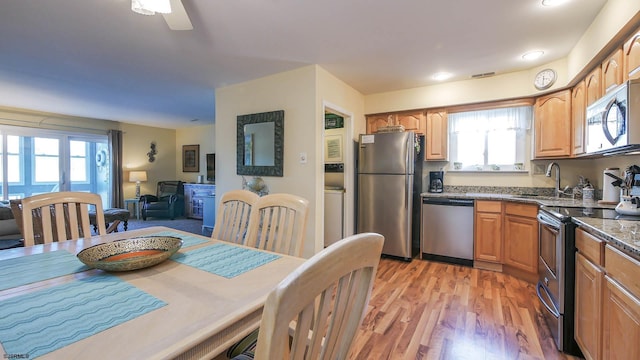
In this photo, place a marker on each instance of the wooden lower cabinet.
(488, 231)
(521, 237)
(588, 307)
(621, 322)
(607, 303)
(506, 233)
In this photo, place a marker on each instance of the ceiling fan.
(172, 10)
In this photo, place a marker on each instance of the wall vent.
(487, 74)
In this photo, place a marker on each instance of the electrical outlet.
(538, 169)
(303, 158)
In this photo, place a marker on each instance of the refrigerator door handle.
(410, 155)
(408, 192)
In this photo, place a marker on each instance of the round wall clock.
(544, 79)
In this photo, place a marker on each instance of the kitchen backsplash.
(511, 190)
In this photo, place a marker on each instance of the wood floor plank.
(429, 310)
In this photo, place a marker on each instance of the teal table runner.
(224, 260)
(49, 319)
(33, 268)
(187, 240)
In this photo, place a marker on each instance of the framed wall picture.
(333, 149)
(190, 158)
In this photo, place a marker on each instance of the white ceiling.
(96, 58)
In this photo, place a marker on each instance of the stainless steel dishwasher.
(447, 230)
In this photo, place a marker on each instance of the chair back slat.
(233, 215)
(278, 223)
(60, 216)
(324, 300)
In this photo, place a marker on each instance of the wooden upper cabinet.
(553, 125)
(631, 57)
(578, 118)
(412, 121)
(379, 120)
(612, 69)
(593, 86)
(436, 137)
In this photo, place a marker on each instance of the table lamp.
(137, 177)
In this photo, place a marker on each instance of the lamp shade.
(136, 176)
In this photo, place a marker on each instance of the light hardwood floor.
(430, 310)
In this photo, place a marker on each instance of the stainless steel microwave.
(613, 121)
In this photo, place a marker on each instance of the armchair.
(168, 201)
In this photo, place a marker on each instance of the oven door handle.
(551, 308)
(545, 221)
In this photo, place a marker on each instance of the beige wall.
(303, 95)
(612, 23)
(198, 135)
(136, 141)
(294, 92)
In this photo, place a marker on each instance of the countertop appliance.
(613, 121)
(436, 181)
(387, 190)
(447, 230)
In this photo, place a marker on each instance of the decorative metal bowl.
(130, 254)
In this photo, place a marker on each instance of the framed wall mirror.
(260, 144)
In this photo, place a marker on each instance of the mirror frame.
(276, 117)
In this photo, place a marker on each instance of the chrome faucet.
(558, 191)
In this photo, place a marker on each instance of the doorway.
(339, 169)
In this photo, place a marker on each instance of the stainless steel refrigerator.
(386, 194)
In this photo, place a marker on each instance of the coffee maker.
(436, 181)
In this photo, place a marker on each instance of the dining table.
(194, 305)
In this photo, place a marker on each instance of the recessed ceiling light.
(441, 76)
(532, 55)
(552, 2)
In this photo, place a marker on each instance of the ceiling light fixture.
(552, 2)
(441, 76)
(532, 55)
(150, 7)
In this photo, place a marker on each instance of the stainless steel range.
(556, 269)
(556, 275)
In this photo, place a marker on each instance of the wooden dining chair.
(233, 215)
(60, 216)
(278, 223)
(325, 300)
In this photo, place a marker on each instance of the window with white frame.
(35, 161)
(489, 140)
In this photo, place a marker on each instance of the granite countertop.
(531, 199)
(622, 234)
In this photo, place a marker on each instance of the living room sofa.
(10, 235)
